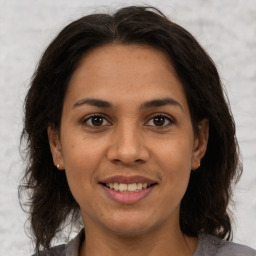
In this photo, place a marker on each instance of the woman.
(127, 125)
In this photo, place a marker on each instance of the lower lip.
(127, 197)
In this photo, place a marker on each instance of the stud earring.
(60, 167)
(197, 167)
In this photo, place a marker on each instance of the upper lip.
(128, 179)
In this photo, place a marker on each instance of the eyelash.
(166, 117)
(84, 121)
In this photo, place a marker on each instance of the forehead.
(124, 73)
(124, 59)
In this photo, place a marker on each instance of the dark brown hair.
(204, 206)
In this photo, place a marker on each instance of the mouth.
(126, 188)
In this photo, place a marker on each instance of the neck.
(153, 243)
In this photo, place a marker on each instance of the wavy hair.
(205, 204)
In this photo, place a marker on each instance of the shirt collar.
(72, 248)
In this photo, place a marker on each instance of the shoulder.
(70, 249)
(212, 245)
(234, 249)
(59, 250)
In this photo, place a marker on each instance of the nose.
(127, 146)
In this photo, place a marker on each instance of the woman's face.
(126, 140)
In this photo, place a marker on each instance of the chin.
(130, 225)
(129, 231)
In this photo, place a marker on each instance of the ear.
(55, 147)
(200, 143)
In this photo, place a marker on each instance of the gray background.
(225, 28)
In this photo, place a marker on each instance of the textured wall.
(227, 29)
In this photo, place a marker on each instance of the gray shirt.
(208, 245)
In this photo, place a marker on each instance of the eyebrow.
(148, 104)
(160, 103)
(93, 102)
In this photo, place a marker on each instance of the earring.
(197, 167)
(60, 167)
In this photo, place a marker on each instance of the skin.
(128, 141)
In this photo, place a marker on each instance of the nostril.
(127, 155)
(139, 161)
(128, 162)
(116, 160)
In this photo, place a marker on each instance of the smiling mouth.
(124, 188)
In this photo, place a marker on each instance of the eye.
(96, 121)
(160, 121)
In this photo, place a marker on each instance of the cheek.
(175, 161)
(81, 161)
(175, 152)
(80, 153)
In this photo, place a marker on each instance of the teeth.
(122, 187)
(144, 185)
(133, 187)
(116, 186)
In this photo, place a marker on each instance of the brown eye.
(96, 121)
(160, 121)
